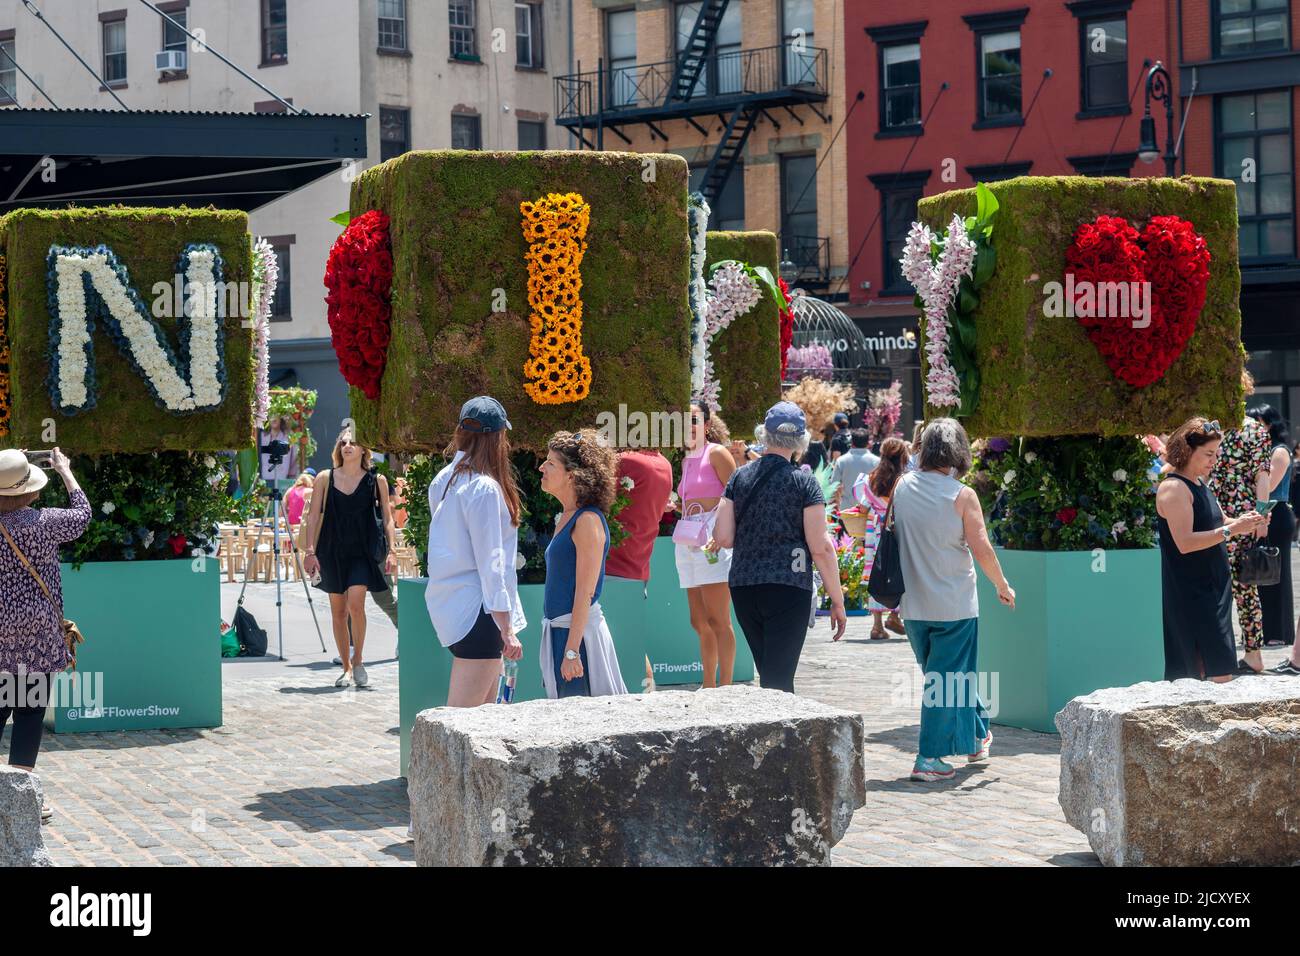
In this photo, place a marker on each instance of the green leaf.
(986, 261)
(986, 204)
(766, 281)
(967, 301)
(342, 219)
(966, 333)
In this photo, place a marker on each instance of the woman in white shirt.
(473, 595)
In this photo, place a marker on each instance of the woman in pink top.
(705, 470)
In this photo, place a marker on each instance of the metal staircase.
(693, 58)
(739, 126)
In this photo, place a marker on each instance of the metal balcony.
(811, 259)
(768, 77)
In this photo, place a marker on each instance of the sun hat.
(18, 476)
(483, 413)
(785, 418)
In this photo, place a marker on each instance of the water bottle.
(506, 683)
(710, 556)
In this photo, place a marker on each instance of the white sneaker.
(344, 679)
(360, 677)
(983, 753)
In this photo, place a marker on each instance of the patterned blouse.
(31, 629)
(1243, 454)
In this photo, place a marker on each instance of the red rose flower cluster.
(787, 324)
(1171, 256)
(359, 276)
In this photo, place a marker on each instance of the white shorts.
(694, 569)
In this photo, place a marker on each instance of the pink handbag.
(692, 529)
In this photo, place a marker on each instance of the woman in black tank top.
(1196, 582)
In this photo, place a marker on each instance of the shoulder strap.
(325, 500)
(27, 564)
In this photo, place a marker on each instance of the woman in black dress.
(1195, 578)
(351, 541)
(1275, 599)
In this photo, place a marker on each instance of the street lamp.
(1158, 89)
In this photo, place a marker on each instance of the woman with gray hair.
(940, 528)
(772, 514)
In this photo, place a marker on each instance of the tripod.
(273, 515)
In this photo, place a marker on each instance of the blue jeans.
(953, 717)
(579, 686)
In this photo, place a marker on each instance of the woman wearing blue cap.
(473, 590)
(773, 516)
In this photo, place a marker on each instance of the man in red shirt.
(652, 481)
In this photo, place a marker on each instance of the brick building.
(1001, 116)
(749, 92)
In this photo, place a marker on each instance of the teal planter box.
(424, 665)
(651, 622)
(1075, 629)
(674, 647)
(152, 656)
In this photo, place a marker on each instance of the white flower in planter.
(1030, 458)
(108, 507)
(1008, 478)
(1118, 528)
(1119, 474)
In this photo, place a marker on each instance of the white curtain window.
(1000, 74)
(115, 52)
(528, 35)
(902, 85)
(620, 44)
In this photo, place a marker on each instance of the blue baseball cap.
(786, 418)
(483, 413)
(841, 420)
(309, 471)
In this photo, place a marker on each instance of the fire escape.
(738, 87)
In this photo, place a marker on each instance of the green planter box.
(1074, 630)
(152, 647)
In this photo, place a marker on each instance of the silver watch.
(570, 655)
(1226, 533)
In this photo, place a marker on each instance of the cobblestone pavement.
(302, 773)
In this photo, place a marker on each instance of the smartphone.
(1264, 507)
(39, 458)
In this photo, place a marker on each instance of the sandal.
(1243, 669)
(878, 634)
(894, 623)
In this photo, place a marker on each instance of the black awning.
(168, 158)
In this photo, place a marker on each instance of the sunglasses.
(1211, 426)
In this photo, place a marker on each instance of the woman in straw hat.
(32, 643)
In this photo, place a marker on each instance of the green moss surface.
(456, 239)
(148, 242)
(1043, 376)
(747, 354)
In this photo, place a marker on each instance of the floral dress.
(1243, 454)
(31, 628)
(875, 522)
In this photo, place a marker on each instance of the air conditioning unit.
(170, 61)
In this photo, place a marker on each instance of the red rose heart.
(359, 276)
(1169, 254)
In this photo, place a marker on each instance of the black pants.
(774, 618)
(29, 720)
(1275, 599)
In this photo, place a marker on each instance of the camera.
(275, 450)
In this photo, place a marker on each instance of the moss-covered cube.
(1042, 375)
(148, 245)
(747, 354)
(460, 310)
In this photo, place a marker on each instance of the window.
(620, 44)
(174, 38)
(1104, 44)
(799, 240)
(275, 32)
(528, 35)
(899, 194)
(900, 85)
(460, 16)
(532, 134)
(8, 73)
(1251, 26)
(797, 38)
(728, 212)
(1254, 149)
(1112, 164)
(394, 131)
(392, 24)
(722, 68)
(281, 302)
(466, 131)
(114, 52)
(999, 77)
(997, 172)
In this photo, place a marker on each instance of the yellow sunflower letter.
(555, 227)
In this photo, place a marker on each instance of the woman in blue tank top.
(578, 656)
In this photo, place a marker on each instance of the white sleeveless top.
(938, 570)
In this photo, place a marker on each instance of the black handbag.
(381, 536)
(886, 582)
(1259, 564)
